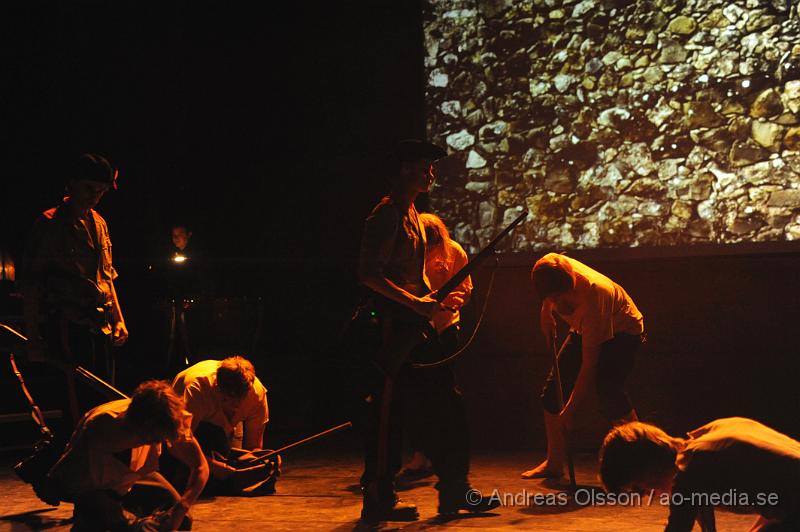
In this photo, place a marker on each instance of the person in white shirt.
(605, 331)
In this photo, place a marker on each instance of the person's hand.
(172, 518)
(454, 301)
(248, 476)
(425, 306)
(120, 334)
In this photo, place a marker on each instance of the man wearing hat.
(392, 267)
(71, 308)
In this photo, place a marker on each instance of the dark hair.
(156, 410)
(235, 376)
(180, 223)
(93, 167)
(411, 150)
(633, 451)
(549, 280)
(408, 150)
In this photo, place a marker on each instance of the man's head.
(181, 236)
(638, 457)
(552, 276)
(235, 377)
(88, 178)
(413, 160)
(156, 411)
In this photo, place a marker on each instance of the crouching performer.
(221, 395)
(109, 469)
(733, 462)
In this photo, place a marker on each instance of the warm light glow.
(179, 259)
(7, 270)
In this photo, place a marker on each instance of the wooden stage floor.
(319, 491)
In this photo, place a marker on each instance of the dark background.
(264, 126)
(261, 124)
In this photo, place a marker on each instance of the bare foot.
(544, 470)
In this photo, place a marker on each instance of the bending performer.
(606, 330)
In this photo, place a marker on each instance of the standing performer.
(392, 265)
(443, 258)
(71, 309)
(183, 285)
(606, 330)
(110, 467)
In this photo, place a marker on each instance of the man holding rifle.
(392, 266)
(606, 330)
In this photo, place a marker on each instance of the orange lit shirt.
(736, 458)
(90, 460)
(441, 267)
(70, 261)
(393, 246)
(197, 385)
(602, 307)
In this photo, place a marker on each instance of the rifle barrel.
(466, 270)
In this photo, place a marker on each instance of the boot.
(469, 499)
(388, 507)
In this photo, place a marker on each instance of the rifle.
(483, 254)
(417, 329)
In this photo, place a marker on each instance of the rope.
(447, 360)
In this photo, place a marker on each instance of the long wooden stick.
(269, 454)
(84, 374)
(560, 396)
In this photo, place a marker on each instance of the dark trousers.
(178, 351)
(77, 345)
(614, 365)
(428, 404)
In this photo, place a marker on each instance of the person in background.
(185, 265)
(183, 285)
(443, 258)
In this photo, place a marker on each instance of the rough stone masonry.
(617, 123)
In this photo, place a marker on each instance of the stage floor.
(319, 491)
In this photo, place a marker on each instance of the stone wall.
(616, 123)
